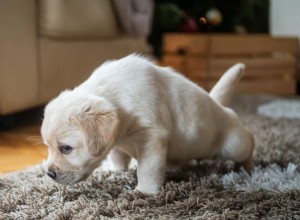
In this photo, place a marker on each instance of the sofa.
(47, 46)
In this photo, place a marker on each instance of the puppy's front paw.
(148, 190)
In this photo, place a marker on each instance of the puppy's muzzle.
(51, 174)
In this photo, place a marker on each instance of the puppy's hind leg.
(118, 160)
(239, 147)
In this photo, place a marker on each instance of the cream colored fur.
(134, 108)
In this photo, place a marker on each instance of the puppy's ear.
(99, 129)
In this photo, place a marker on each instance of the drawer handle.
(181, 51)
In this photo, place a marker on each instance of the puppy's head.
(79, 129)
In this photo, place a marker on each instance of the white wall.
(285, 17)
(285, 20)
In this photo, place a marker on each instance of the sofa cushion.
(66, 65)
(77, 19)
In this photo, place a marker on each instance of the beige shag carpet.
(203, 190)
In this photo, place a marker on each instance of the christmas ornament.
(170, 16)
(189, 25)
(240, 29)
(202, 20)
(214, 17)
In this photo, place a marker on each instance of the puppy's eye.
(65, 149)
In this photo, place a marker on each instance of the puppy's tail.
(223, 91)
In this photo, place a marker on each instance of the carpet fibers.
(206, 189)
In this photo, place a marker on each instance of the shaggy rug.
(201, 190)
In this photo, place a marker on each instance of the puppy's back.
(136, 84)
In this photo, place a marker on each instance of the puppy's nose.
(51, 174)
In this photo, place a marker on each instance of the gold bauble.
(214, 17)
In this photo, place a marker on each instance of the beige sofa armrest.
(18, 55)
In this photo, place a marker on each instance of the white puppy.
(134, 108)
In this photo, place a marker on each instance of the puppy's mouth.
(69, 178)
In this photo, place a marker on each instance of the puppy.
(134, 108)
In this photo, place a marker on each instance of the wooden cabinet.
(271, 63)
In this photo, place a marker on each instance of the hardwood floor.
(20, 147)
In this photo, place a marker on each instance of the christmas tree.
(208, 16)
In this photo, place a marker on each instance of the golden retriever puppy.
(134, 108)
